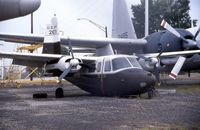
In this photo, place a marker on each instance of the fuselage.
(130, 81)
(114, 76)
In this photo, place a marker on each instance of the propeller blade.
(172, 30)
(65, 73)
(70, 48)
(196, 34)
(169, 28)
(177, 67)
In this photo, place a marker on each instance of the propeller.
(187, 43)
(177, 67)
(152, 63)
(72, 63)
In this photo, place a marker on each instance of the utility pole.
(146, 17)
(2, 66)
(97, 25)
(31, 76)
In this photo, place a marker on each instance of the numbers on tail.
(52, 30)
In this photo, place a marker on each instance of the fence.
(18, 76)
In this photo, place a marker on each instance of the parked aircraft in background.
(17, 8)
(170, 40)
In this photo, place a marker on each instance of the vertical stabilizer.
(122, 26)
(52, 40)
(105, 50)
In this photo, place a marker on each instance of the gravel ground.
(79, 110)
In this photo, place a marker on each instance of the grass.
(188, 89)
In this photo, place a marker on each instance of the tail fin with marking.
(122, 26)
(52, 40)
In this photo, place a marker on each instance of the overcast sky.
(67, 11)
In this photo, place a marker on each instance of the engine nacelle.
(64, 63)
(148, 64)
(191, 44)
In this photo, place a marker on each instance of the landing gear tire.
(59, 93)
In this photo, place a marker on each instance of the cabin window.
(134, 62)
(107, 66)
(119, 63)
(98, 66)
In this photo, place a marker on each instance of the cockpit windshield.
(120, 63)
(134, 62)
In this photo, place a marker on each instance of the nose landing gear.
(151, 92)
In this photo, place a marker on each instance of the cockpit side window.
(119, 63)
(107, 66)
(134, 62)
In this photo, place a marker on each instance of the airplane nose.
(29, 6)
(149, 80)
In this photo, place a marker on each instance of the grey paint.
(17, 8)
(125, 82)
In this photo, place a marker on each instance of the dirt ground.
(80, 110)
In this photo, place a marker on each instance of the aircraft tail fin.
(122, 26)
(52, 40)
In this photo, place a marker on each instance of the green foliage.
(176, 13)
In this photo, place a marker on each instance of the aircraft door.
(106, 79)
(99, 70)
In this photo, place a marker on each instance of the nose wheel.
(151, 92)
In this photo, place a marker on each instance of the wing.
(37, 60)
(29, 59)
(168, 54)
(117, 43)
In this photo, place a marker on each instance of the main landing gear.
(59, 92)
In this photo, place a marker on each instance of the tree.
(174, 12)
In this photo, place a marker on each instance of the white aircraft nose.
(29, 6)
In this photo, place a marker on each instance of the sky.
(195, 9)
(67, 11)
